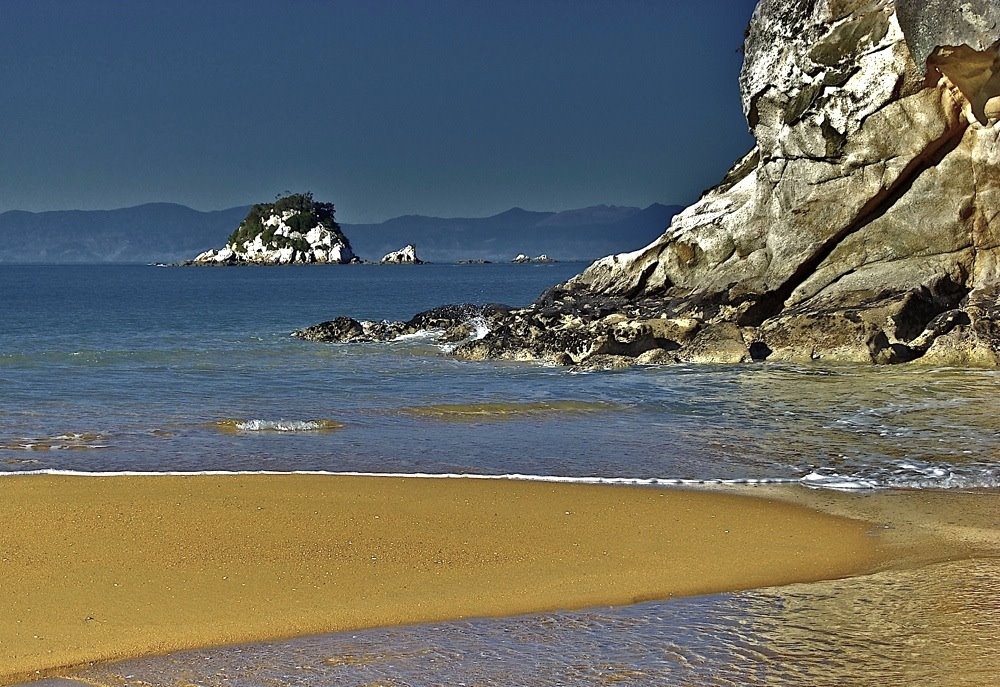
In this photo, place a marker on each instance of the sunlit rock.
(407, 255)
(871, 202)
(292, 230)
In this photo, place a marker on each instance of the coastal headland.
(863, 226)
(105, 568)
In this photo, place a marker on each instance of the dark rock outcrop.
(864, 226)
(452, 323)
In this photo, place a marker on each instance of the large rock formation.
(863, 226)
(294, 229)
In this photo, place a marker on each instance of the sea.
(149, 369)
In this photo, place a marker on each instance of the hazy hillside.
(165, 232)
(157, 232)
(584, 234)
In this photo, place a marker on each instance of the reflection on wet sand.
(935, 625)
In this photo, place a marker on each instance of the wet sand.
(917, 527)
(104, 568)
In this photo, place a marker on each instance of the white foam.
(481, 328)
(838, 482)
(278, 425)
(420, 335)
(515, 477)
(814, 480)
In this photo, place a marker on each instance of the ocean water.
(148, 369)
(135, 368)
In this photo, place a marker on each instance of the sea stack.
(407, 255)
(294, 229)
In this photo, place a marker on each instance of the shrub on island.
(294, 229)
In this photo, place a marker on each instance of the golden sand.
(113, 567)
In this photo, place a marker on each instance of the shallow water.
(143, 369)
(922, 627)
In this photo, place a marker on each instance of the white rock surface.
(407, 255)
(318, 245)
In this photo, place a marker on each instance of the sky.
(440, 107)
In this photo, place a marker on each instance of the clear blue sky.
(450, 108)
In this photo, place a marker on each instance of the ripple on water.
(71, 441)
(500, 410)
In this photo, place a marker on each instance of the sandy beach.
(114, 567)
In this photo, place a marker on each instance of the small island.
(293, 230)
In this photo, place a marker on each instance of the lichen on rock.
(294, 229)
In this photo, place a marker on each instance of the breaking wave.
(814, 480)
(233, 425)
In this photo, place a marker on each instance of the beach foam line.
(813, 480)
(513, 477)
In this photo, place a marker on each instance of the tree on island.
(294, 229)
(308, 214)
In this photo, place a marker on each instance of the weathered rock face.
(407, 255)
(864, 226)
(292, 230)
(871, 203)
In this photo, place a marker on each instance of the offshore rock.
(294, 229)
(407, 255)
(522, 259)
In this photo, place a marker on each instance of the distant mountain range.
(166, 232)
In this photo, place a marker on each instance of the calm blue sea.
(135, 368)
(112, 368)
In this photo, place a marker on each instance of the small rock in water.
(407, 255)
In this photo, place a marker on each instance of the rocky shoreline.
(864, 227)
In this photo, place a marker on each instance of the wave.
(907, 475)
(234, 425)
(812, 480)
(74, 441)
(515, 477)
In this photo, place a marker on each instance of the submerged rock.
(864, 226)
(291, 230)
